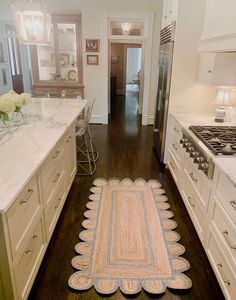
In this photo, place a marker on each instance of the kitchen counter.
(24, 148)
(226, 163)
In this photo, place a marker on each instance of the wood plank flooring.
(126, 150)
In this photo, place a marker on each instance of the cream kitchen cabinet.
(175, 152)
(221, 242)
(27, 225)
(57, 68)
(169, 14)
(217, 69)
(211, 204)
(218, 33)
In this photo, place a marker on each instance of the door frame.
(148, 19)
(128, 44)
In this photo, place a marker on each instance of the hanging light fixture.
(33, 23)
(126, 27)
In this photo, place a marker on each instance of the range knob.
(194, 154)
(186, 145)
(190, 149)
(183, 141)
(199, 160)
(203, 166)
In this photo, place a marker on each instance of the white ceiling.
(54, 6)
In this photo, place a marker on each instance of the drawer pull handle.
(30, 192)
(172, 165)
(58, 203)
(28, 251)
(174, 146)
(230, 243)
(220, 268)
(192, 177)
(233, 203)
(35, 236)
(56, 154)
(57, 177)
(191, 203)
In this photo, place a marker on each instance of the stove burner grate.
(221, 140)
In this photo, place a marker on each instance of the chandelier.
(32, 21)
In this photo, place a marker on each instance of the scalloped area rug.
(129, 242)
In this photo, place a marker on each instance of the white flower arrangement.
(12, 102)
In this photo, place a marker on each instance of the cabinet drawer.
(176, 149)
(51, 181)
(52, 171)
(226, 231)
(45, 92)
(174, 167)
(222, 268)
(26, 267)
(226, 192)
(22, 213)
(193, 205)
(53, 209)
(176, 129)
(198, 180)
(70, 93)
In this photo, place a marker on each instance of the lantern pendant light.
(33, 23)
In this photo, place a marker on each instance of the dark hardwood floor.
(126, 150)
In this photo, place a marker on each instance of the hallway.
(125, 149)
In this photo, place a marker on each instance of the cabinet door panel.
(46, 60)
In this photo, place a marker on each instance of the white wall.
(219, 18)
(95, 25)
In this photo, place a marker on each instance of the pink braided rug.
(129, 242)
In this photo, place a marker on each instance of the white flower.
(25, 97)
(12, 101)
(6, 106)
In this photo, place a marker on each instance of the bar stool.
(87, 154)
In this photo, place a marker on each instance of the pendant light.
(33, 23)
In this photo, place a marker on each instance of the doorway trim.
(148, 19)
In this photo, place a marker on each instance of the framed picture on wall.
(92, 59)
(92, 45)
(115, 59)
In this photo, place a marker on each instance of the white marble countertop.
(24, 148)
(226, 163)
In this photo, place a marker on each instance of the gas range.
(220, 140)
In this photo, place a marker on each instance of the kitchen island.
(207, 184)
(37, 167)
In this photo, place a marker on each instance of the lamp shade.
(223, 98)
(33, 23)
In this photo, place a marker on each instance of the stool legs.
(87, 154)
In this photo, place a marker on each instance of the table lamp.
(222, 100)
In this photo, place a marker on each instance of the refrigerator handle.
(159, 100)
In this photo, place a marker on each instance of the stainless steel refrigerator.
(163, 92)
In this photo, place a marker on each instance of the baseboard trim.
(99, 119)
(147, 120)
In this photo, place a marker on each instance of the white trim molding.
(218, 43)
(99, 119)
(147, 120)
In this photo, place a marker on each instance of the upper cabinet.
(170, 9)
(57, 67)
(219, 28)
(217, 69)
